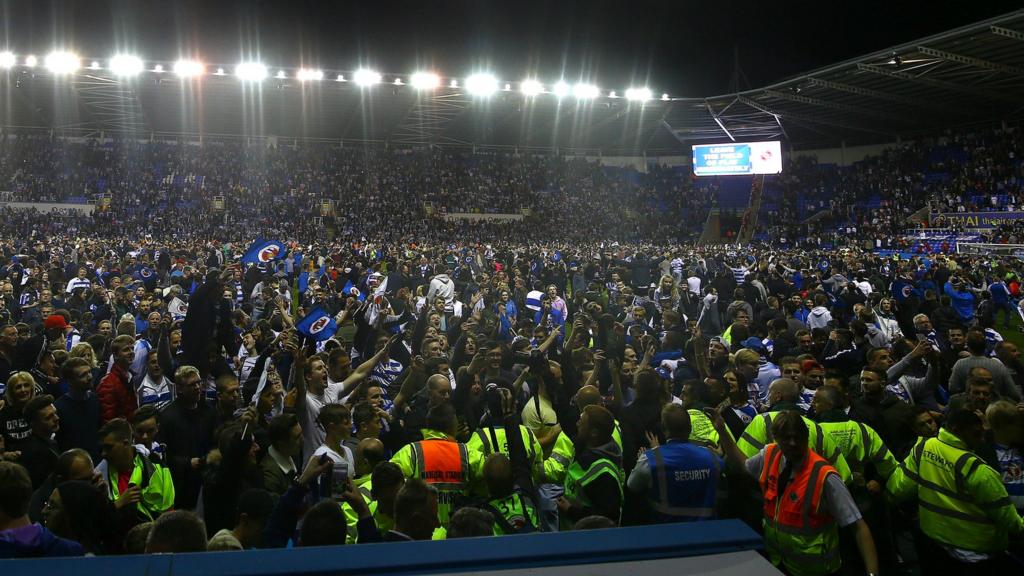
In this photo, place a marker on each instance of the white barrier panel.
(475, 216)
(49, 206)
(1016, 250)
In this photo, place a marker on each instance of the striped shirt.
(1011, 468)
(386, 373)
(158, 394)
(740, 273)
(76, 283)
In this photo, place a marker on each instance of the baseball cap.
(754, 343)
(55, 321)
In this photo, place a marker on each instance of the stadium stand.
(363, 336)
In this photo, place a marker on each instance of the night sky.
(682, 47)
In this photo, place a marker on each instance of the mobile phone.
(325, 481)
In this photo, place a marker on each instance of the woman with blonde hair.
(85, 350)
(21, 387)
(666, 295)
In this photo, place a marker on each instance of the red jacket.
(117, 399)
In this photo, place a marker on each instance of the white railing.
(49, 206)
(983, 248)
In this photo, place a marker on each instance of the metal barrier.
(982, 248)
(723, 546)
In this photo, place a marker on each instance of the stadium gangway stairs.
(722, 547)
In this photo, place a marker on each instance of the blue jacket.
(963, 302)
(35, 541)
(1000, 294)
(684, 481)
(801, 314)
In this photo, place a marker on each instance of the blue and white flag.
(144, 273)
(178, 308)
(350, 290)
(264, 251)
(533, 299)
(317, 325)
(901, 290)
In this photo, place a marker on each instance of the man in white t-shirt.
(336, 422)
(313, 392)
(693, 285)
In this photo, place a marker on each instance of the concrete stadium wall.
(49, 206)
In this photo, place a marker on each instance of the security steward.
(965, 513)
(441, 461)
(805, 500)
(783, 394)
(680, 478)
(491, 439)
(594, 479)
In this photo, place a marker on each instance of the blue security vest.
(684, 482)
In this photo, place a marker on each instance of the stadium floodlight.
(481, 84)
(189, 68)
(31, 61)
(364, 77)
(7, 59)
(585, 91)
(251, 71)
(59, 62)
(307, 74)
(638, 94)
(425, 80)
(530, 87)
(126, 65)
(561, 89)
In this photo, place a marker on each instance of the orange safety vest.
(444, 464)
(798, 534)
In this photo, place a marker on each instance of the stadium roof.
(969, 75)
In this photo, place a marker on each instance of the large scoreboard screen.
(737, 158)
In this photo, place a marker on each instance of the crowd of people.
(169, 191)
(160, 396)
(872, 199)
(392, 375)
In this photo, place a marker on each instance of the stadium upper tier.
(161, 188)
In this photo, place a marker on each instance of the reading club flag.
(901, 290)
(264, 251)
(350, 290)
(317, 325)
(178, 308)
(144, 273)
